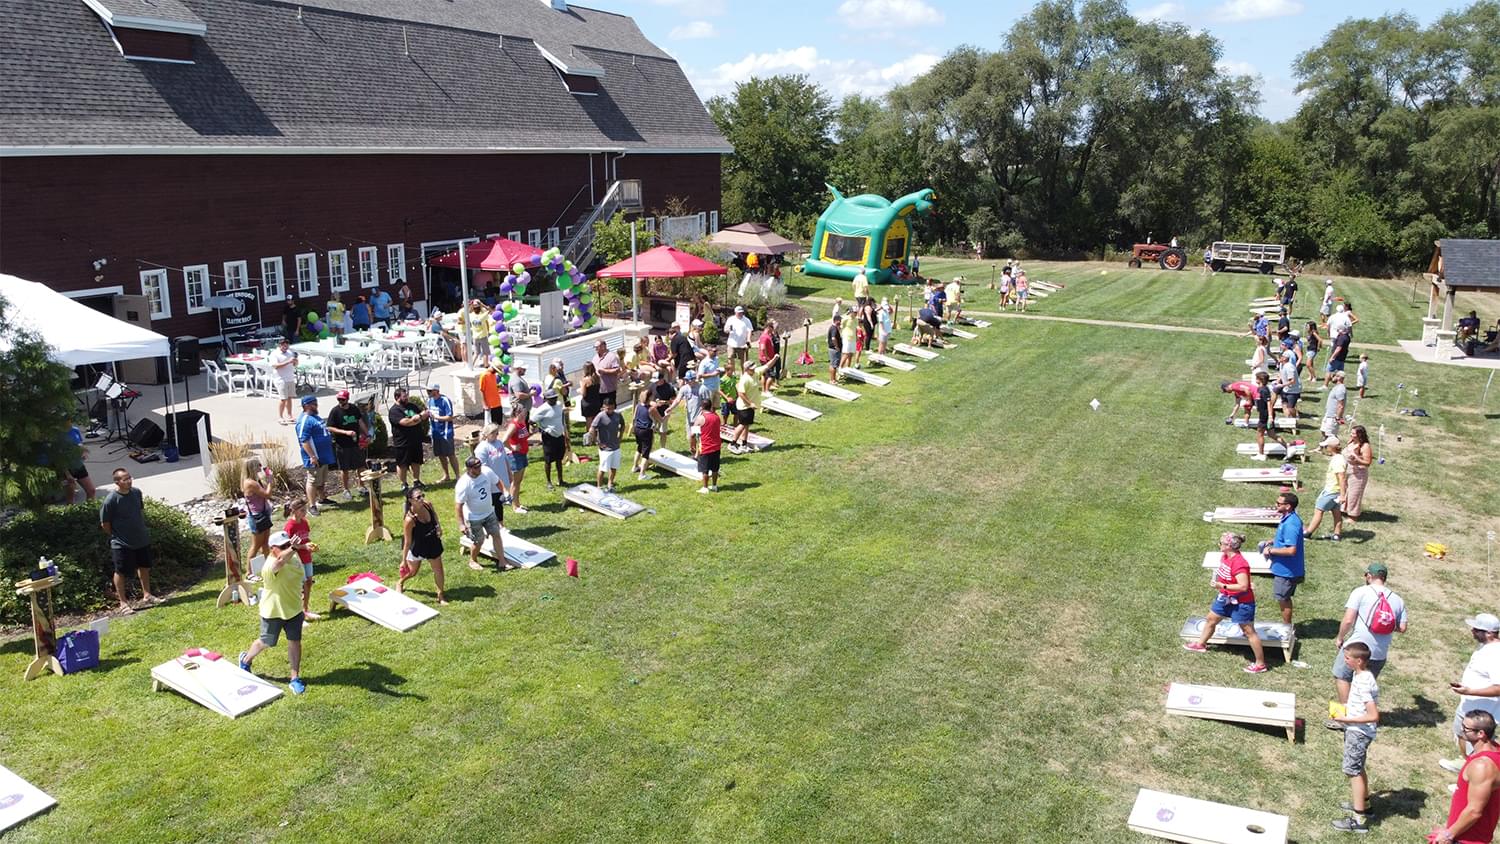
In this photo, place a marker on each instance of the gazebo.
(1470, 266)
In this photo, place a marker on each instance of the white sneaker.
(1259, 457)
(348, 495)
(714, 488)
(520, 510)
(702, 490)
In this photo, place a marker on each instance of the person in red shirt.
(1235, 601)
(1476, 803)
(1244, 398)
(298, 529)
(709, 443)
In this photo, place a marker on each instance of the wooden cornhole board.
(752, 439)
(517, 550)
(1242, 706)
(1037, 293)
(912, 351)
(959, 332)
(381, 604)
(1268, 475)
(833, 391)
(677, 464)
(977, 323)
(1280, 423)
(1177, 818)
(1045, 285)
(1277, 451)
(1243, 515)
(864, 377)
(1265, 310)
(20, 799)
(593, 498)
(792, 409)
(218, 684)
(893, 363)
(1258, 562)
(1265, 302)
(1273, 633)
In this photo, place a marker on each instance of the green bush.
(71, 538)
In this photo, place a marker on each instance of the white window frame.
(395, 264)
(651, 224)
(369, 266)
(553, 237)
(338, 270)
(278, 271)
(197, 287)
(534, 238)
(516, 236)
(159, 304)
(713, 222)
(702, 221)
(307, 274)
(236, 270)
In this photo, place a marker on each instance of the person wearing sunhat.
(1478, 689)
(316, 445)
(440, 410)
(1373, 614)
(280, 608)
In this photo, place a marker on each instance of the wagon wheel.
(1173, 259)
(1217, 265)
(1135, 263)
(1266, 268)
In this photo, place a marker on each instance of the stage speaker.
(146, 434)
(187, 432)
(136, 310)
(187, 360)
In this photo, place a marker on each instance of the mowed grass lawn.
(944, 612)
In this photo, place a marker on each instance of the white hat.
(1328, 282)
(739, 309)
(1328, 441)
(279, 538)
(697, 323)
(1484, 621)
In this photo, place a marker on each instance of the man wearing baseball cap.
(1479, 687)
(1373, 615)
(440, 410)
(317, 453)
(737, 330)
(347, 424)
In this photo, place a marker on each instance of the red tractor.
(1166, 256)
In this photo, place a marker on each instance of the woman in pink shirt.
(1235, 601)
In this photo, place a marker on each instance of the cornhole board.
(1045, 285)
(959, 332)
(217, 684)
(1243, 515)
(1242, 706)
(864, 377)
(20, 799)
(754, 440)
(517, 550)
(1280, 423)
(1274, 450)
(1177, 818)
(833, 391)
(1273, 633)
(1258, 562)
(1265, 310)
(792, 409)
(381, 604)
(977, 323)
(912, 351)
(1268, 475)
(1265, 302)
(593, 498)
(893, 363)
(1037, 292)
(677, 464)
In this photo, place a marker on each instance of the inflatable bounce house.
(866, 233)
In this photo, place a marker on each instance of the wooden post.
(43, 625)
(378, 532)
(229, 524)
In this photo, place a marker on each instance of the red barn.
(179, 148)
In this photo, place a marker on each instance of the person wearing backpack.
(1373, 614)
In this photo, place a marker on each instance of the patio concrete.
(1450, 355)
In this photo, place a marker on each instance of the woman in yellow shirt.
(281, 607)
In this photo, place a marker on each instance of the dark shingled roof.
(341, 78)
(1471, 263)
(170, 11)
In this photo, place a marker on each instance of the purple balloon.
(523, 279)
(576, 322)
(505, 337)
(510, 278)
(536, 390)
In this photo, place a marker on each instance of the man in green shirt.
(281, 607)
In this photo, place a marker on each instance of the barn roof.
(344, 75)
(1471, 263)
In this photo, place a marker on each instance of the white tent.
(78, 334)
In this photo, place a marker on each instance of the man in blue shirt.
(382, 306)
(1285, 553)
(1260, 326)
(317, 453)
(440, 409)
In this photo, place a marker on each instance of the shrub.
(229, 456)
(71, 538)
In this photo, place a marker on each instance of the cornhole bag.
(78, 651)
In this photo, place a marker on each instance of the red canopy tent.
(662, 262)
(498, 255)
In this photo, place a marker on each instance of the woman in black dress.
(422, 539)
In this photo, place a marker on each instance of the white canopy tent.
(79, 334)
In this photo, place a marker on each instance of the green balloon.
(312, 316)
(505, 359)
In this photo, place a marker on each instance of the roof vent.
(557, 5)
(151, 30)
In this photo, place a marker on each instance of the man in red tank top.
(1476, 803)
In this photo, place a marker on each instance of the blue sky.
(869, 46)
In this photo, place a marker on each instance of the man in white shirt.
(474, 503)
(284, 365)
(1339, 322)
(548, 418)
(1479, 687)
(737, 330)
(1365, 616)
(955, 291)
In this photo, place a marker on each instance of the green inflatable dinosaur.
(866, 233)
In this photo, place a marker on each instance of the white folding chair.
(241, 378)
(218, 380)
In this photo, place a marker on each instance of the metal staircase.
(623, 195)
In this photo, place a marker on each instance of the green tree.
(33, 434)
(779, 128)
(612, 238)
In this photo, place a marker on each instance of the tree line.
(1089, 129)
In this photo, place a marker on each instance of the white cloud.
(839, 77)
(1162, 12)
(696, 29)
(1236, 68)
(1240, 11)
(697, 8)
(888, 14)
